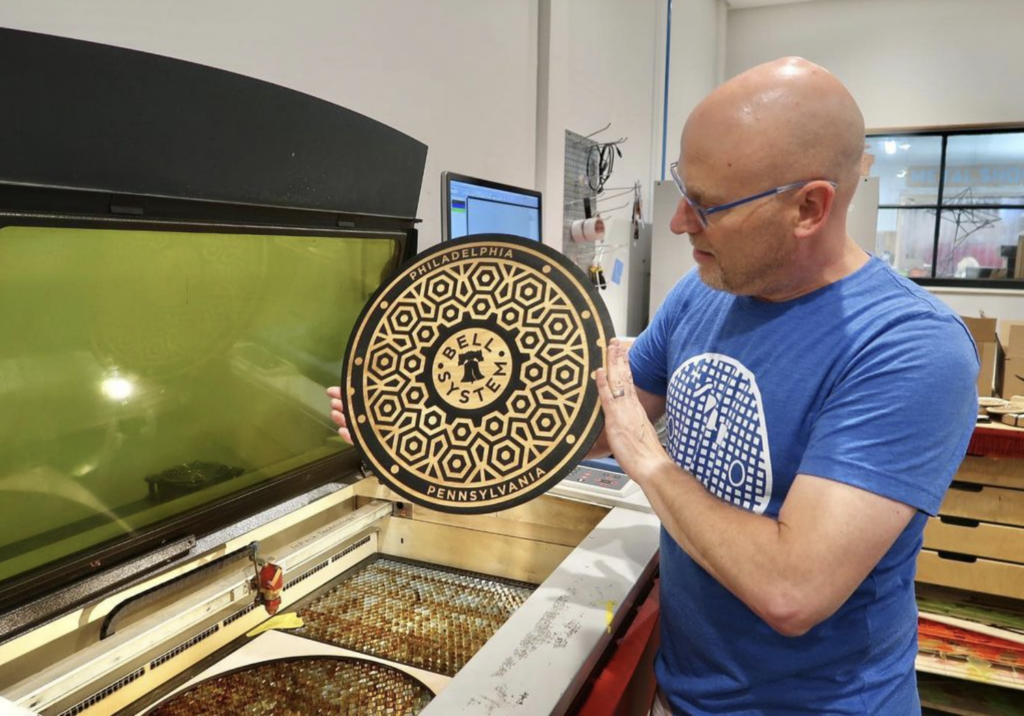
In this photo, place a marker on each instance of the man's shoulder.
(886, 303)
(910, 306)
(896, 321)
(904, 291)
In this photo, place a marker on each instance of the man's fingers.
(611, 359)
(622, 359)
(604, 390)
(625, 372)
(618, 371)
(623, 376)
(338, 414)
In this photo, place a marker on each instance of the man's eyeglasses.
(703, 212)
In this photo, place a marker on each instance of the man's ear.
(815, 207)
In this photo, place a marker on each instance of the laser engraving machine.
(185, 253)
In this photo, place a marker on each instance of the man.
(817, 405)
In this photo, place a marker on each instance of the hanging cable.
(601, 163)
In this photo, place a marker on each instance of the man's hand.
(631, 437)
(338, 413)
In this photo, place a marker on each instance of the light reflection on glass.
(117, 388)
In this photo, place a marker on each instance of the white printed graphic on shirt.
(717, 431)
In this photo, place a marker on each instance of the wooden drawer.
(981, 540)
(998, 472)
(981, 575)
(984, 503)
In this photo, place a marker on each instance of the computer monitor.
(476, 206)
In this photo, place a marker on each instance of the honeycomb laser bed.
(314, 685)
(415, 614)
(419, 623)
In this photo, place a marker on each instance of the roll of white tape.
(587, 229)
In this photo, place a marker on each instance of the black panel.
(82, 115)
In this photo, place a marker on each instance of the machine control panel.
(589, 478)
(598, 478)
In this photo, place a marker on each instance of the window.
(951, 205)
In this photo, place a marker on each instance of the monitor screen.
(475, 206)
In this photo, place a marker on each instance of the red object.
(954, 641)
(609, 690)
(997, 442)
(271, 583)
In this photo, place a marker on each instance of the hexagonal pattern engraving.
(472, 391)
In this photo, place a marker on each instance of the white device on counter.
(602, 482)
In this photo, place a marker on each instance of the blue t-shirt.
(868, 381)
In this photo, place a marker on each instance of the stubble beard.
(712, 277)
(752, 274)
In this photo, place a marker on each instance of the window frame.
(944, 133)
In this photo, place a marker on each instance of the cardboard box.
(1015, 420)
(982, 575)
(983, 330)
(1010, 359)
(1018, 269)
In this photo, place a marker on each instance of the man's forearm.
(740, 549)
(794, 570)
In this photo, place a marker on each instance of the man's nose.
(685, 220)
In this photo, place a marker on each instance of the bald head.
(783, 121)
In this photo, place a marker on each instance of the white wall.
(1004, 305)
(458, 75)
(696, 66)
(611, 59)
(697, 50)
(598, 65)
(552, 112)
(908, 62)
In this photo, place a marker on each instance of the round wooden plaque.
(468, 376)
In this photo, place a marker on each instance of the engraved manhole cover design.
(308, 685)
(415, 614)
(468, 375)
